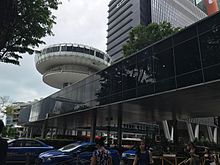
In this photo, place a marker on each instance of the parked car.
(75, 153)
(25, 150)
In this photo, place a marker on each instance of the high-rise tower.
(126, 14)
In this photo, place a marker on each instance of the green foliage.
(9, 131)
(142, 36)
(34, 20)
(9, 110)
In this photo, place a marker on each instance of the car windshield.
(69, 148)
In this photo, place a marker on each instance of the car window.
(88, 148)
(17, 143)
(31, 143)
(69, 148)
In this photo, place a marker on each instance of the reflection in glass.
(189, 79)
(187, 57)
(130, 73)
(210, 47)
(163, 65)
(116, 78)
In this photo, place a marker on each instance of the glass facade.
(126, 14)
(187, 58)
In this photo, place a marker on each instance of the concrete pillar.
(197, 131)
(166, 130)
(120, 117)
(211, 138)
(93, 126)
(31, 132)
(190, 131)
(216, 135)
(172, 133)
(27, 132)
(44, 129)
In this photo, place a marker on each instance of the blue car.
(78, 153)
(25, 150)
(128, 156)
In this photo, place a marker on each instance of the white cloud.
(78, 21)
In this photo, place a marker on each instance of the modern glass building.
(126, 14)
(177, 77)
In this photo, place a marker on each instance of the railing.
(172, 159)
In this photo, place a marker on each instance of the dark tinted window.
(17, 143)
(88, 148)
(189, 79)
(210, 47)
(145, 89)
(130, 73)
(100, 55)
(141, 56)
(116, 97)
(116, 78)
(91, 52)
(164, 65)
(79, 49)
(187, 57)
(163, 45)
(209, 23)
(212, 73)
(64, 48)
(129, 94)
(145, 73)
(105, 84)
(70, 48)
(165, 85)
(185, 34)
(31, 143)
(56, 49)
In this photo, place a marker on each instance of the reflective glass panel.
(129, 72)
(163, 65)
(187, 57)
(210, 47)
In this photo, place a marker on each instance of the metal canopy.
(202, 100)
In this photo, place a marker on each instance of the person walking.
(143, 156)
(3, 146)
(101, 156)
(194, 158)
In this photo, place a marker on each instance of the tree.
(5, 106)
(3, 101)
(142, 36)
(33, 20)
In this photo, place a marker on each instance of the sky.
(78, 21)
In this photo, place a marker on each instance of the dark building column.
(175, 134)
(119, 126)
(93, 126)
(44, 127)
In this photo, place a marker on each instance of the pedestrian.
(101, 156)
(194, 158)
(3, 146)
(143, 156)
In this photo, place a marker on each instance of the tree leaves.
(142, 36)
(34, 20)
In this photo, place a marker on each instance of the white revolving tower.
(64, 64)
